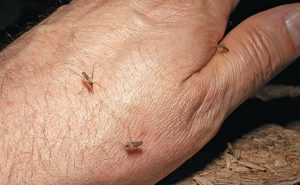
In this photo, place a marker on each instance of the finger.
(259, 48)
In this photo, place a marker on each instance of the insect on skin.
(132, 145)
(88, 79)
(223, 48)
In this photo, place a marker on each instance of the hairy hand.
(159, 78)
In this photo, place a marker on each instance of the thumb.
(259, 48)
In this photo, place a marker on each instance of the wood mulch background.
(269, 155)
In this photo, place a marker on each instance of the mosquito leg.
(93, 71)
(76, 73)
(98, 84)
(129, 134)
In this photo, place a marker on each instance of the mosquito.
(223, 48)
(89, 80)
(132, 145)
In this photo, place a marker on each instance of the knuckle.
(167, 10)
(140, 20)
(169, 3)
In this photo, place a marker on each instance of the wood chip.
(202, 181)
(227, 161)
(271, 92)
(280, 163)
(271, 169)
(236, 153)
(251, 165)
(230, 148)
(286, 181)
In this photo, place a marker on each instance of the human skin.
(162, 80)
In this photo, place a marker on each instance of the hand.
(161, 80)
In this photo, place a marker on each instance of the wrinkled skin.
(162, 80)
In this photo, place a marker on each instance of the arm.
(162, 82)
